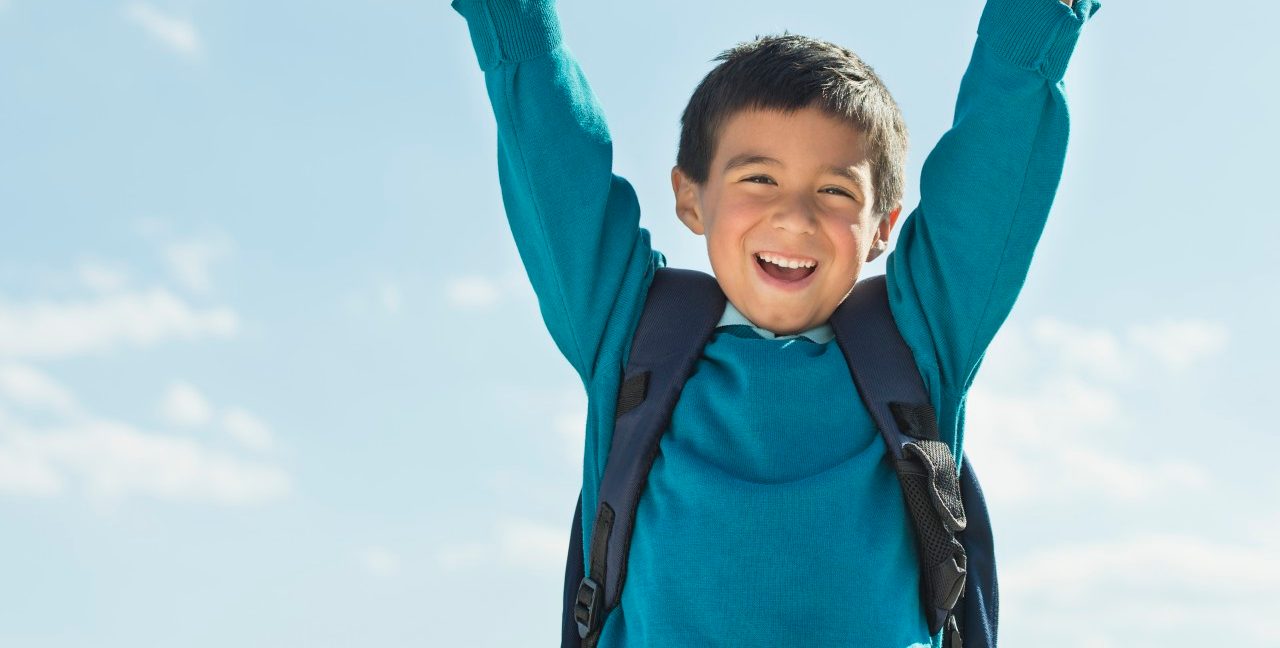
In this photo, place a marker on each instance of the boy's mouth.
(790, 278)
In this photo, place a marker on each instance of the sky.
(271, 373)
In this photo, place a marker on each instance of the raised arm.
(575, 223)
(986, 188)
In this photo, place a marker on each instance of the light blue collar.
(820, 334)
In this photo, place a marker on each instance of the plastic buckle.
(950, 577)
(584, 609)
(953, 638)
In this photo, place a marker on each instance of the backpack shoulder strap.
(889, 382)
(680, 313)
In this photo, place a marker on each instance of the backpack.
(952, 529)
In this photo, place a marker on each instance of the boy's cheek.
(734, 220)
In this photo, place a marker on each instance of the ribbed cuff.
(506, 31)
(1035, 34)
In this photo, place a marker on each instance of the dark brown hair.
(787, 73)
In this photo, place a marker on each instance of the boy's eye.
(766, 179)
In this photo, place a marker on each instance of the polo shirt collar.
(820, 334)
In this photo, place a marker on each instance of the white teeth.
(786, 263)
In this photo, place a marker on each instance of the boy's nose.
(795, 215)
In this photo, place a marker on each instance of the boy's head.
(790, 147)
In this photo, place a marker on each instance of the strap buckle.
(584, 608)
(953, 638)
(949, 577)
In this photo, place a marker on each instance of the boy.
(771, 516)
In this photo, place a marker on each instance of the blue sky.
(271, 373)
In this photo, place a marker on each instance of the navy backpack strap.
(572, 578)
(981, 600)
(680, 313)
(889, 382)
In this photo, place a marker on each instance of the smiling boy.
(788, 214)
(771, 515)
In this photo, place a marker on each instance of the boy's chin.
(784, 326)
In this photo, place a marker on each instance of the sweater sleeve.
(986, 188)
(575, 223)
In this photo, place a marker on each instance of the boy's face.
(799, 206)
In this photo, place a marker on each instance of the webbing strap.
(573, 577)
(680, 313)
(889, 382)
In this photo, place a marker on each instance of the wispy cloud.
(390, 297)
(247, 429)
(51, 444)
(379, 561)
(476, 292)
(176, 33)
(515, 542)
(1051, 394)
(1180, 345)
(1148, 589)
(30, 388)
(472, 292)
(191, 260)
(184, 405)
(102, 277)
(108, 461)
(1053, 418)
(49, 329)
(383, 297)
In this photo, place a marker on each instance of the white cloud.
(109, 461)
(1095, 352)
(73, 451)
(390, 298)
(47, 329)
(482, 292)
(247, 429)
(1148, 589)
(32, 388)
(1059, 421)
(1050, 400)
(176, 33)
(184, 405)
(473, 292)
(191, 261)
(516, 542)
(1179, 345)
(50, 446)
(101, 277)
(380, 561)
(1048, 442)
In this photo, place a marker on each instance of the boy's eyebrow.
(848, 173)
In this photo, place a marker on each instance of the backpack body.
(953, 533)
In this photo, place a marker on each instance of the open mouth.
(785, 277)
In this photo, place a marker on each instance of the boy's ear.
(687, 203)
(881, 242)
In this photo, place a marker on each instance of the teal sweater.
(772, 516)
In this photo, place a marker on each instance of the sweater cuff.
(506, 31)
(1035, 34)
